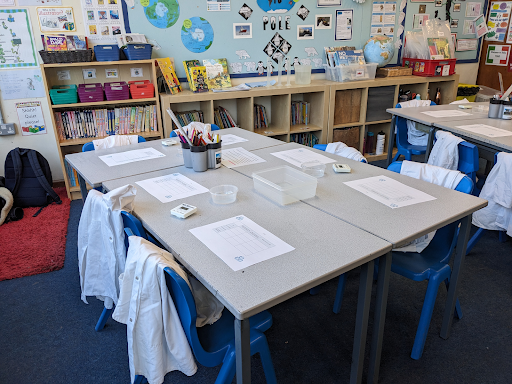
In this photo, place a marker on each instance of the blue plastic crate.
(106, 52)
(138, 51)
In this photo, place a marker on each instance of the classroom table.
(426, 123)
(92, 170)
(318, 256)
(397, 226)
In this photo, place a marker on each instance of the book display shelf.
(57, 75)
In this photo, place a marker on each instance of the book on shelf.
(439, 48)
(260, 117)
(223, 118)
(300, 112)
(198, 79)
(166, 70)
(187, 64)
(187, 117)
(64, 42)
(306, 138)
(330, 53)
(71, 173)
(217, 73)
(130, 38)
(55, 43)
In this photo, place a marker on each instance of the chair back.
(132, 227)
(323, 147)
(401, 128)
(214, 128)
(90, 145)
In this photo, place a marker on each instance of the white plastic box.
(284, 185)
(350, 72)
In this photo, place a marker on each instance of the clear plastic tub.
(313, 168)
(284, 185)
(224, 194)
(302, 74)
(350, 72)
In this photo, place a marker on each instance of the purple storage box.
(90, 92)
(117, 91)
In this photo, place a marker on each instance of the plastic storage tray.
(141, 89)
(106, 52)
(138, 51)
(350, 72)
(430, 67)
(90, 92)
(64, 94)
(284, 185)
(117, 91)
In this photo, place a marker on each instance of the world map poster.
(16, 43)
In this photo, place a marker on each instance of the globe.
(379, 49)
(162, 13)
(197, 34)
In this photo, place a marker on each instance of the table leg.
(460, 254)
(430, 142)
(380, 316)
(391, 140)
(83, 187)
(243, 351)
(363, 312)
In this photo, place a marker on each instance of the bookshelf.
(52, 73)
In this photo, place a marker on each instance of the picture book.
(187, 65)
(198, 79)
(217, 73)
(171, 80)
(439, 48)
(80, 42)
(56, 43)
(70, 43)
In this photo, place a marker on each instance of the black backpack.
(29, 178)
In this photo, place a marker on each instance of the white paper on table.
(240, 242)
(236, 157)
(301, 155)
(172, 187)
(485, 130)
(131, 156)
(389, 192)
(229, 139)
(448, 113)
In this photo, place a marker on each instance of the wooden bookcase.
(51, 79)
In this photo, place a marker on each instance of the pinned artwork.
(311, 51)
(456, 7)
(250, 66)
(245, 11)
(261, 69)
(57, 19)
(275, 6)
(497, 55)
(242, 54)
(305, 32)
(236, 67)
(303, 12)
(218, 5)
(305, 61)
(197, 34)
(323, 21)
(277, 47)
(280, 23)
(318, 62)
(242, 30)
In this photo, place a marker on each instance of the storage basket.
(428, 68)
(393, 72)
(138, 51)
(107, 52)
(54, 57)
(350, 72)
(64, 94)
(117, 91)
(141, 89)
(90, 92)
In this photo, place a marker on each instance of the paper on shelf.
(301, 155)
(485, 130)
(240, 242)
(172, 187)
(130, 156)
(389, 192)
(448, 113)
(229, 139)
(236, 157)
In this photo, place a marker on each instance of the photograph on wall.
(497, 22)
(456, 7)
(497, 55)
(439, 3)
(303, 12)
(245, 11)
(323, 21)
(454, 23)
(242, 30)
(328, 3)
(344, 24)
(18, 48)
(57, 19)
(422, 8)
(218, 5)
(305, 32)
(30, 116)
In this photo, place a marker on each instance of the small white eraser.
(183, 211)
(169, 142)
(341, 168)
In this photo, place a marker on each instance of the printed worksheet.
(131, 156)
(236, 157)
(302, 155)
(232, 139)
(172, 187)
(485, 130)
(449, 113)
(240, 242)
(389, 191)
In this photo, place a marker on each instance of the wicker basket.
(392, 72)
(54, 57)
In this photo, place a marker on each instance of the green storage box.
(64, 94)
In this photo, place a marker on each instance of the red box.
(142, 89)
(428, 68)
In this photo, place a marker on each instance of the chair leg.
(139, 379)
(502, 236)
(426, 316)
(474, 239)
(314, 290)
(397, 156)
(228, 369)
(266, 361)
(458, 310)
(339, 294)
(105, 315)
(408, 156)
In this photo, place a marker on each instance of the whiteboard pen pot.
(506, 113)
(494, 109)
(214, 155)
(185, 148)
(199, 155)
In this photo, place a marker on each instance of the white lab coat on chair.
(445, 153)
(341, 149)
(497, 216)
(415, 136)
(115, 141)
(101, 249)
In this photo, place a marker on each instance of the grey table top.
(95, 171)
(319, 254)
(504, 143)
(398, 226)
(419, 117)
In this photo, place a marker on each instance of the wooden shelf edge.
(378, 122)
(105, 102)
(95, 63)
(346, 125)
(303, 128)
(384, 156)
(82, 141)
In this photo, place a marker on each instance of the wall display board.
(17, 47)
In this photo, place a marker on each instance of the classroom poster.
(56, 19)
(383, 18)
(499, 14)
(509, 34)
(30, 116)
(103, 20)
(344, 24)
(22, 84)
(16, 44)
(497, 55)
(6, 3)
(467, 45)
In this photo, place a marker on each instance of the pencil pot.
(117, 91)
(214, 155)
(90, 92)
(199, 155)
(185, 148)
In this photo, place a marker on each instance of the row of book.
(304, 138)
(64, 42)
(187, 117)
(72, 176)
(260, 117)
(105, 122)
(300, 112)
(212, 74)
(222, 118)
(343, 56)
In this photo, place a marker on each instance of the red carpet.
(35, 245)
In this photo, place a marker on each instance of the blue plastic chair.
(214, 344)
(468, 160)
(402, 144)
(90, 146)
(431, 264)
(214, 128)
(323, 147)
